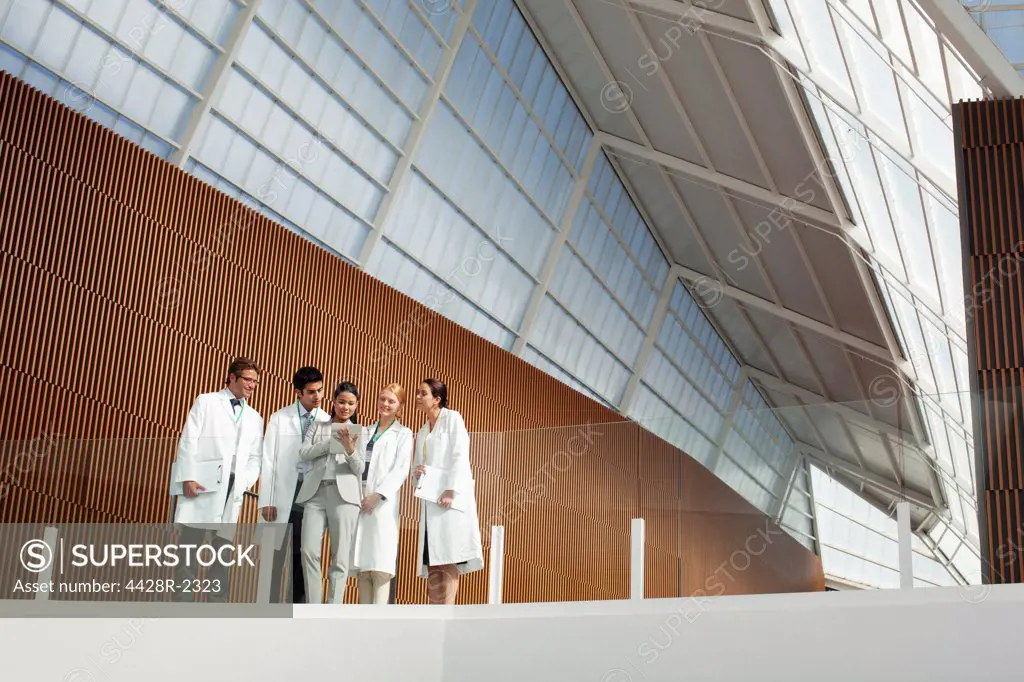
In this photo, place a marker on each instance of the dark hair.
(239, 365)
(438, 390)
(305, 376)
(345, 387)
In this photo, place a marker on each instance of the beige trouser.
(326, 506)
(374, 587)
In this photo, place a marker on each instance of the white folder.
(433, 483)
(206, 474)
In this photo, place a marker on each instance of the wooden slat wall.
(990, 177)
(128, 286)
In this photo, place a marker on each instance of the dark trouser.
(194, 583)
(290, 548)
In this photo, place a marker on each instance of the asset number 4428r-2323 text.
(157, 585)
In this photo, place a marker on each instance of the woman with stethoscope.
(449, 535)
(387, 453)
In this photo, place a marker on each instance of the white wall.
(924, 634)
(927, 634)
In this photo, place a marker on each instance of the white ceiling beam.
(706, 160)
(785, 487)
(216, 81)
(935, 483)
(417, 133)
(705, 157)
(812, 399)
(651, 337)
(806, 467)
(801, 210)
(730, 419)
(689, 16)
(941, 558)
(744, 236)
(616, 160)
(851, 469)
(631, 117)
(741, 118)
(666, 83)
(823, 177)
(873, 124)
(854, 342)
(760, 14)
(555, 251)
(982, 9)
(832, 190)
(970, 41)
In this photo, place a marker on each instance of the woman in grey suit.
(331, 492)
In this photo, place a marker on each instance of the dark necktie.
(235, 402)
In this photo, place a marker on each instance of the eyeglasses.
(250, 380)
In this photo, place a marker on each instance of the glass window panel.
(926, 50)
(207, 16)
(868, 186)
(106, 14)
(171, 112)
(160, 44)
(598, 311)
(142, 94)
(138, 15)
(780, 10)
(431, 229)
(962, 81)
(820, 36)
(192, 62)
(908, 213)
(933, 136)
(58, 33)
(876, 81)
(893, 33)
(568, 344)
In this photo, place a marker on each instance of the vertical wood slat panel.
(991, 187)
(108, 257)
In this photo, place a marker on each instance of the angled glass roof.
(859, 544)
(879, 81)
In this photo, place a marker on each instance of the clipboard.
(207, 474)
(433, 482)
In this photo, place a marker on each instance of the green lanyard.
(376, 435)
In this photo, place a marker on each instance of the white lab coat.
(454, 535)
(377, 533)
(281, 462)
(212, 433)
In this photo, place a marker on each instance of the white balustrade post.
(906, 553)
(496, 570)
(636, 559)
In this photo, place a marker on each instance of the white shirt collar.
(226, 392)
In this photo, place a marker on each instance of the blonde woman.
(449, 537)
(387, 453)
(331, 493)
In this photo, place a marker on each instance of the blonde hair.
(399, 392)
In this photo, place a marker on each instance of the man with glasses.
(219, 457)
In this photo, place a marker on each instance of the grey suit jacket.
(320, 447)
